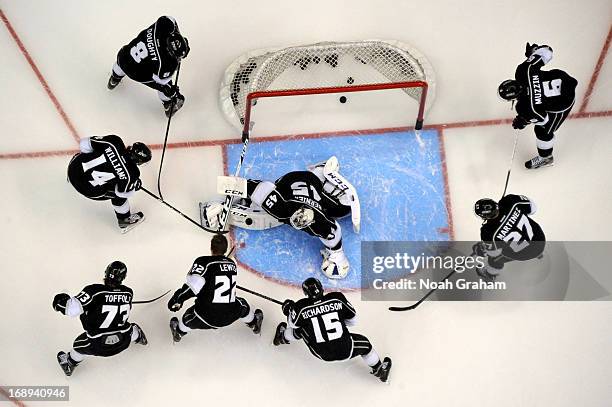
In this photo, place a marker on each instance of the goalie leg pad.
(335, 264)
(235, 186)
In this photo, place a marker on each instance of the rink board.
(401, 186)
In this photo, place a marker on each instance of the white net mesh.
(323, 65)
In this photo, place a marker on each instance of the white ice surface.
(459, 354)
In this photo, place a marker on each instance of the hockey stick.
(161, 162)
(229, 199)
(416, 304)
(151, 194)
(255, 293)
(511, 162)
(251, 291)
(153, 300)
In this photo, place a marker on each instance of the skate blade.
(132, 226)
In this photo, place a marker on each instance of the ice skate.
(538, 162)
(255, 325)
(130, 222)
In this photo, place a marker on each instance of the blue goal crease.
(401, 187)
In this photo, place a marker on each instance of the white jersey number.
(301, 189)
(98, 177)
(333, 327)
(225, 289)
(111, 312)
(552, 88)
(139, 52)
(514, 239)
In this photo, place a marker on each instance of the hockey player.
(212, 281)
(321, 320)
(104, 310)
(106, 170)
(151, 59)
(544, 98)
(310, 201)
(508, 233)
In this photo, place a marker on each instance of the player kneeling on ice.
(321, 320)
(309, 201)
(212, 280)
(507, 234)
(106, 170)
(151, 59)
(544, 98)
(104, 310)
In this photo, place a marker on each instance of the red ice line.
(39, 75)
(223, 143)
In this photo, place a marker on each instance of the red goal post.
(324, 68)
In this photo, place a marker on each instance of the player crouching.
(321, 321)
(106, 170)
(507, 234)
(104, 310)
(309, 201)
(212, 280)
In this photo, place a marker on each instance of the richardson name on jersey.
(116, 163)
(116, 298)
(516, 214)
(321, 309)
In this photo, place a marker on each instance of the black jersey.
(103, 169)
(213, 281)
(146, 57)
(512, 231)
(321, 323)
(105, 309)
(551, 91)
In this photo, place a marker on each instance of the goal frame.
(253, 96)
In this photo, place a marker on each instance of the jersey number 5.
(552, 88)
(333, 327)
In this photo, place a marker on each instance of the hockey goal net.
(322, 68)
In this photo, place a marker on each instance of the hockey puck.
(350, 80)
(342, 99)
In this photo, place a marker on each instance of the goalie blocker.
(306, 200)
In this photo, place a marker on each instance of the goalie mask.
(302, 218)
(486, 208)
(509, 89)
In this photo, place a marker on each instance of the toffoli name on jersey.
(427, 284)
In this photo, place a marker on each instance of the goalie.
(309, 201)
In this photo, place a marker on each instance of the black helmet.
(486, 208)
(139, 153)
(312, 288)
(509, 89)
(178, 46)
(115, 273)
